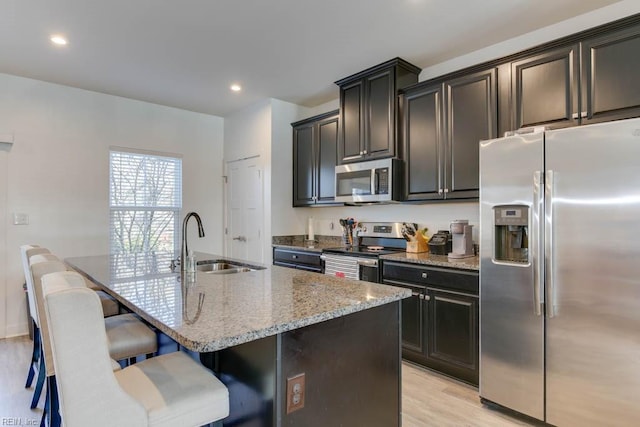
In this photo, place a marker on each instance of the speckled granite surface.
(299, 242)
(435, 260)
(216, 311)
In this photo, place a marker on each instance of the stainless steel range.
(360, 261)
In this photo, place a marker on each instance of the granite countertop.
(299, 243)
(427, 258)
(208, 312)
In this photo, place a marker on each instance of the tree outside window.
(145, 199)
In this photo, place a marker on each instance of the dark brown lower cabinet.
(440, 321)
(452, 335)
(300, 259)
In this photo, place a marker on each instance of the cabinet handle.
(364, 152)
(424, 275)
(417, 294)
(446, 190)
(294, 256)
(584, 114)
(575, 116)
(361, 153)
(440, 191)
(427, 298)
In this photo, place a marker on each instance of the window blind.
(145, 198)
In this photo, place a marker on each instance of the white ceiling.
(186, 53)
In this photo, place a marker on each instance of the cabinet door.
(303, 165)
(421, 113)
(352, 122)
(414, 315)
(453, 334)
(380, 127)
(327, 157)
(471, 116)
(545, 89)
(610, 76)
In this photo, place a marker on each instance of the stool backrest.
(88, 390)
(38, 270)
(27, 251)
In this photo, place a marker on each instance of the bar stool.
(128, 336)
(167, 390)
(25, 252)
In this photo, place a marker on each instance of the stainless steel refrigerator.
(560, 274)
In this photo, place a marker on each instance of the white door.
(244, 211)
(3, 242)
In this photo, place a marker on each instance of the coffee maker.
(462, 246)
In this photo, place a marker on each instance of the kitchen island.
(259, 328)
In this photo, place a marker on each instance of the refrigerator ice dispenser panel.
(511, 233)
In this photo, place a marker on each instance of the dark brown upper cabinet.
(610, 87)
(368, 110)
(442, 125)
(545, 89)
(314, 159)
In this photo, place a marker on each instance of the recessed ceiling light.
(59, 40)
(236, 87)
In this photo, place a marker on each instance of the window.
(145, 199)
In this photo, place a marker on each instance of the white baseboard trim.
(17, 330)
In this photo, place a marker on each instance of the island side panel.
(249, 371)
(352, 370)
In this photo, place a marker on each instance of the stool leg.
(42, 370)
(54, 406)
(149, 355)
(132, 360)
(45, 412)
(35, 355)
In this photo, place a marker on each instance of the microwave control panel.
(382, 181)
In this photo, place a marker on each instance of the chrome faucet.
(185, 246)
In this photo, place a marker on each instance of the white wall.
(264, 129)
(58, 170)
(3, 236)
(282, 214)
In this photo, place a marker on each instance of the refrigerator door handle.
(537, 253)
(548, 241)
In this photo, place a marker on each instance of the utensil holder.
(417, 246)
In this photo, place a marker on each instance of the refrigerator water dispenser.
(511, 233)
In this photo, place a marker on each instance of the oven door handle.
(368, 262)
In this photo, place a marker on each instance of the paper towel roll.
(311, 234)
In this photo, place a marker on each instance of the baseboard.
(16, 330)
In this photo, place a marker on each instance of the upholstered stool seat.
(175, 391)
(129, 337)
(109, 304)
(168, 390)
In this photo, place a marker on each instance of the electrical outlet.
(295, 393)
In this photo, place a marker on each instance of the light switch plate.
(20, 218)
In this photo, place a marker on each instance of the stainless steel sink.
(224, 267)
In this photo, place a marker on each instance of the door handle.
(368, 262)
(550, 286)
(240, 238)
(537, 225)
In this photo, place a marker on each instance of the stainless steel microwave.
(372, 181)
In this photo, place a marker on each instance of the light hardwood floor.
(428, 399)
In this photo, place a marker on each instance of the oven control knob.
(424, 275)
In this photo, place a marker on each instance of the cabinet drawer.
(431, 276)
(297, 257)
